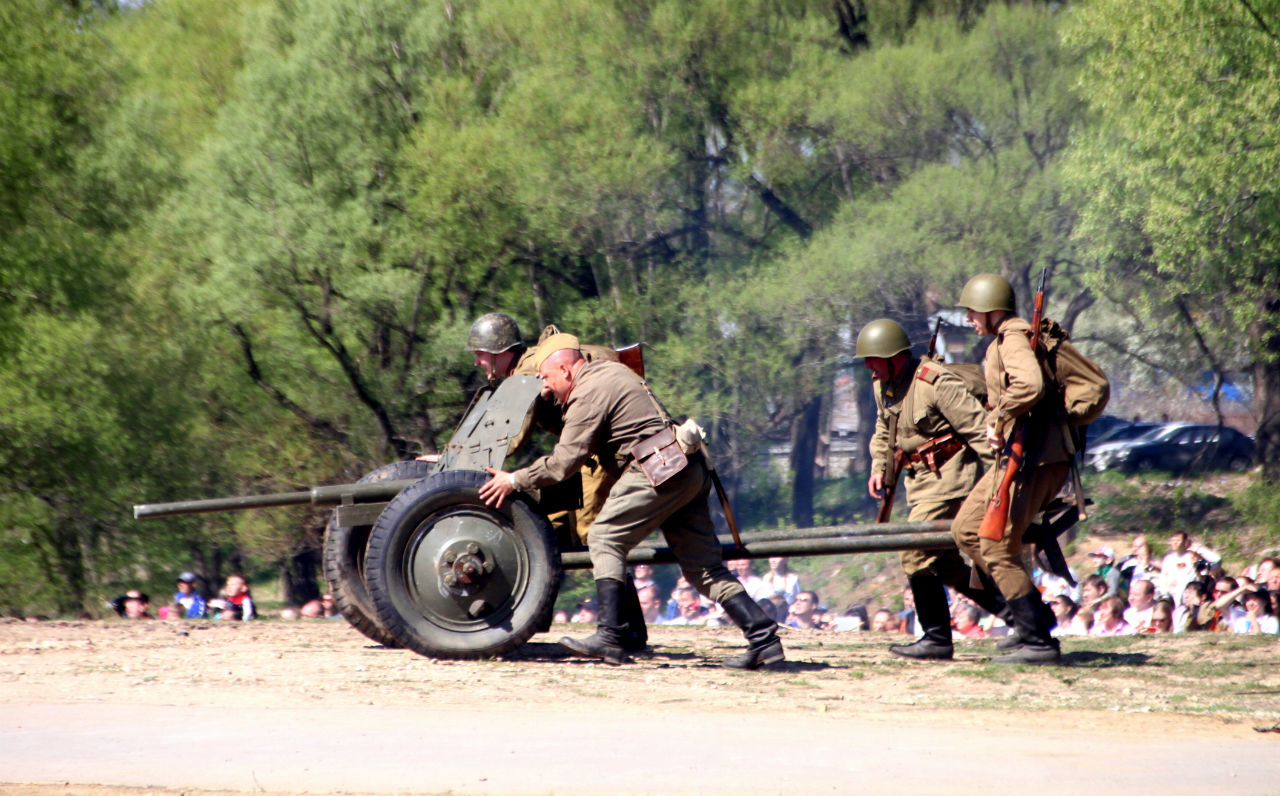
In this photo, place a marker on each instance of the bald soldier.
(499, 350)
(608, 410)
(1015, 389)
(925, 411)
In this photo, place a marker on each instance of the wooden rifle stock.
(997, 515)
(633, 357)
(891, 487)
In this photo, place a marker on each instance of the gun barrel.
(336, 495)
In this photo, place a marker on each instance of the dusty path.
(103, 708)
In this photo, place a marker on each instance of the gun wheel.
(344, 551)
(453, 578)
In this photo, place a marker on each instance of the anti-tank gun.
(415, 559)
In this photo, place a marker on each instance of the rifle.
(633, 357)
(933, 338)
(891, 486)
(997, 516)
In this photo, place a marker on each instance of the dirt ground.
(114, 707)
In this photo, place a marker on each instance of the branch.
(320, 425)
(789, 217)
(1257, 18)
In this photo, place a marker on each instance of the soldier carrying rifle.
(930, 427)
(1033, 435)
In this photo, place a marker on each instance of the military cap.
(554, 343)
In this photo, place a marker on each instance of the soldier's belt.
(934, 453)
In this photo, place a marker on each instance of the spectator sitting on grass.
(1257, 616)
(1109, 620)
(965, 620)
(1069, 622)
(1142, 601)
(883, 621)
(1093, 590)
(1161, 618)
(803, 611)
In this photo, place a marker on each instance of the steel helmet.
(987, 292)
(494, 333)
(881, 338)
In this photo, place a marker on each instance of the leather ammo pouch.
(935, 453)
(659, 456)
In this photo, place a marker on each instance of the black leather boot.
(635, 638)
(931, 610)
(1038, 646)
(763, 646)
(606, 643)
(992, 601)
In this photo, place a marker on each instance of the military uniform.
(572, 528)
(930, 402)
(929, 414)
(607, 411)
(1015, 386)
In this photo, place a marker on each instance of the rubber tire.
(402, 539)
(1239, 464)
(344, 549)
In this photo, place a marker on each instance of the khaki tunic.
(928, 402)
(1015, 385)
(607, 411)
(571, 527)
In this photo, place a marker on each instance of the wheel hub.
(465, 569)
(465, 573)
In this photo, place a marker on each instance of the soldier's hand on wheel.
(494, 491)
(875, 485)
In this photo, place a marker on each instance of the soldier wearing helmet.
(499, 350)
(925, 411)
(495, 340)
(1015, 385)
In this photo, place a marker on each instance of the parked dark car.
(1120, 432)
(1102, 426)
(1176, 447)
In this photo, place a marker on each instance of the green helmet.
(494, 333)
(881, 338)
(987, 292)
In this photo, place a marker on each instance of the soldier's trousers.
(946, 563)
(678, 506)
(1002, 559)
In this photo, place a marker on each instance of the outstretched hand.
(496, 490)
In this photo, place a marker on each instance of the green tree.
(1180, 175)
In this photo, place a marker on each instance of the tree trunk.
(804, 448)
(1266, 385)
(298, 576)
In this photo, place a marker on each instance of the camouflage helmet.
(494, 333)
(988, 292)
(881, 338)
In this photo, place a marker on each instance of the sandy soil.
(116, 707)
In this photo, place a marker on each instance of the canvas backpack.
(1081, 383)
